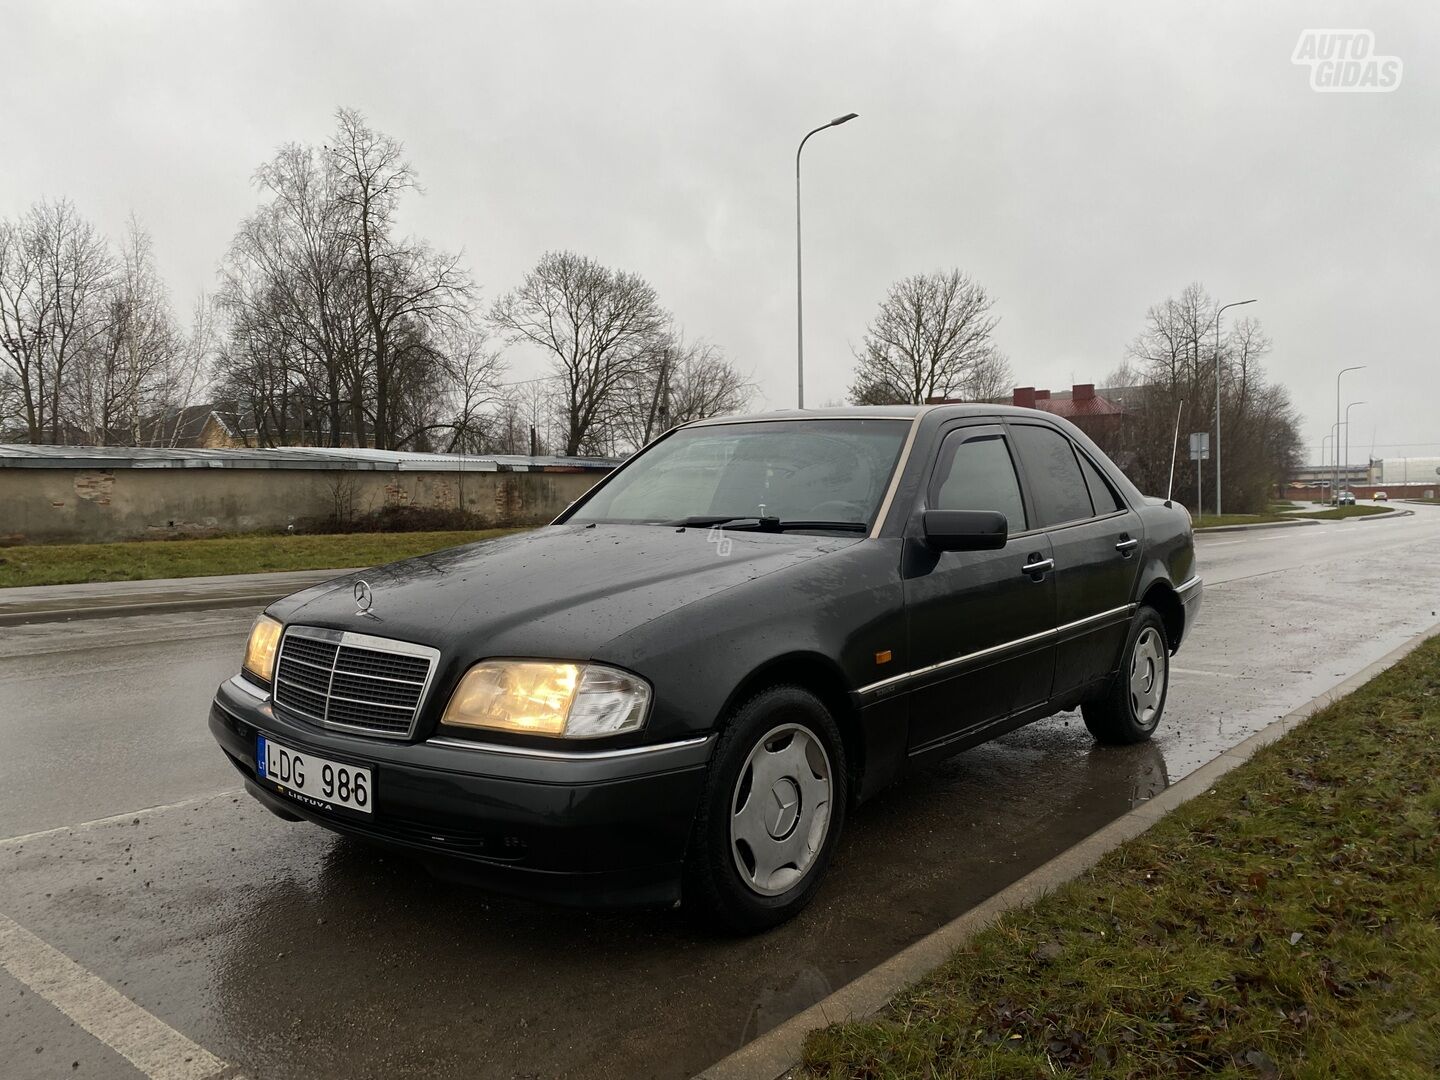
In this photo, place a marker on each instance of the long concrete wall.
(70, 505)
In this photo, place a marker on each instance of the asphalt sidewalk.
(106, 599)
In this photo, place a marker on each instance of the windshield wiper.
(767, 524)
(837, 526)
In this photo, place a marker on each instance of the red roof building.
(1093, 413)
(1096, 412)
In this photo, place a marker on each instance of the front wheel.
(771, 812)
(1128, 710)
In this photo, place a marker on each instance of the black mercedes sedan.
(679, 689)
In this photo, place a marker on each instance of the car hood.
(562, 591)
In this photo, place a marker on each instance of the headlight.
(538, 697)
(260, 649)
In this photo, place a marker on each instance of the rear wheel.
(1129, 709)
(771, 812)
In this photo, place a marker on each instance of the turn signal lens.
(260, 649)
(537, 697)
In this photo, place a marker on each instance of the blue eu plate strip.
(260, 756)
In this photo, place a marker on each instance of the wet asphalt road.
(294, 953)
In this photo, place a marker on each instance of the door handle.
(1037, 568)
(1127, 544)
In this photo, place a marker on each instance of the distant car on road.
(1346, 498)
(678, 689)
(1380, 496)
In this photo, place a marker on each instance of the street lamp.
(1236, 303)
(1346, 465)
(799, 291)
(1335, 446)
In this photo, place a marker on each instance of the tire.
(753, 863)
(1130, 707)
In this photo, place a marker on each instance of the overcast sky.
(1083, 161)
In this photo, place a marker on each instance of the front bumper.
(572, 827)
(1192, 594)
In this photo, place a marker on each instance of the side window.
(1057, 487)
(1101, 493)
(975, 472)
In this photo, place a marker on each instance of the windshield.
(804, 471)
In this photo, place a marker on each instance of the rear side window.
(1101, 493)
(1057, 487)
(975, 472)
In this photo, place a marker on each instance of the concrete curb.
(63, 603)
(1258, 525)
(775, 1053)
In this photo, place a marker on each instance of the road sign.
(1199, 446)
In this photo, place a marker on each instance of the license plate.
(311, 778)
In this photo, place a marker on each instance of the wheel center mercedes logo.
(363, 599)
(787, 807)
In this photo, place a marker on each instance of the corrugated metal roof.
(20, 455)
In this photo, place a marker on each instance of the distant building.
(1098, 413)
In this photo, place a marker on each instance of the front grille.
(353, 682)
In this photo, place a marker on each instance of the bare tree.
(406, 287)
(601, 327)
(337, 327)
(23, 321)
(54, 270)
(690, 380)
(1172, 364)
(930, 338)
(473, 369)
(123, 371)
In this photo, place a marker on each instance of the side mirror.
(965, 530)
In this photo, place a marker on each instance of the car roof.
(874, 412)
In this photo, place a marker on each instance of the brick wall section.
(63, 505)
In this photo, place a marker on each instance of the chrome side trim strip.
(1127, 609)
(1194, 583)
(563, 755)
(980, 654)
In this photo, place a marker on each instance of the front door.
(980, 622)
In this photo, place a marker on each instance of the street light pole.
(1335, 446)
(1346, 465)
(799, 278)
(1237, 303)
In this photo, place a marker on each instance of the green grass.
(1277, 507)
(1286, 923)
(60, 564)
(1335, 513)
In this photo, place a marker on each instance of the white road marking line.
(144, 1040)
(1198, 671)
(115, 819)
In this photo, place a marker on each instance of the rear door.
(1096, 539)
(979, 621)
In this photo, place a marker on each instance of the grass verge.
(1212, 521)
(1335, 513)
(64, 564)
(1286, 923)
